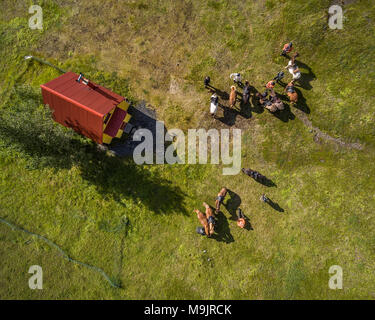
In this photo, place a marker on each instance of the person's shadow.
(266, 182)
(255, 104)
(245, 107)
(232, 204)
(222, 94)
(229, 116)
(248, 225)
(274, 205)
(222, 231)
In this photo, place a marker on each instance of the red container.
(79, 106)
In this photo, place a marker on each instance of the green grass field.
(56, 184)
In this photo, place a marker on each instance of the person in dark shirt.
(246, 93)
(207, 81)
(253, 174)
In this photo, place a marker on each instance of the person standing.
(279, 77)
(207, 81)
(220, 198)
(293, 70)
(214, 104)
(236, 77)
(264, 198)
(271, 84)
(288, 47)
(246, 93)
(241, 222)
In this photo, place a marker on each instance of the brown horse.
(220, 198)
(203, 220)
(210, 218)
(291, 92)
(232, 96)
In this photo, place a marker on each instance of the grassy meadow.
(56, 184)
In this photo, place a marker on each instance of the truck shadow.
(46, 145)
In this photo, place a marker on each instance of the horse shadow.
(222, 229)
(233, 204)
(301, 104)
(284, 115)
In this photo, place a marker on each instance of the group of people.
(208, 220)
(269, 99)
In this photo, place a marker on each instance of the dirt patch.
(320, 135)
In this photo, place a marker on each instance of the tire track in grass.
(63, 253)
(320, 134)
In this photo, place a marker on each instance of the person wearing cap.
(271, 84)
(288, 47)
(241, 222)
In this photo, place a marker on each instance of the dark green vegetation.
(55, 183)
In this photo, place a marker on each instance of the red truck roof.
(79, 106)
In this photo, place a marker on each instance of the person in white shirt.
(236, 77)
(214, 104)
(293, 68)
